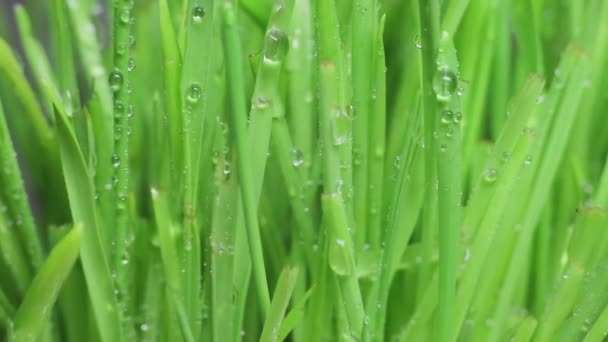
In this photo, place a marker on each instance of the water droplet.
(115, 161)
(227, 170)
(449, 133)
(445, 83)
(540, 99)
(115, 80)
(262, 102)
(144, 327)
(197, 14)
(131, 40)
(457, 117)
(119, 109)
(490, 175)
(447, 117)
(125, 16)
(121, 49)
(131, 64)
(297, 157)
(276, 45)
(528, 160)
(340, 243)
(194, 94)
(130, 111)
(417, 42)
(443, 147)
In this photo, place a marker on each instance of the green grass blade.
(34, 312)
(94, 257)
(278, 306)
(17, 200)
(238, 119)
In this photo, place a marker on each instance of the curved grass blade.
(35, 309)
(14, 192)
(102, 119)
(13, 255)
(94, 257)
(13, 70)
(295, 316)
(278, 306)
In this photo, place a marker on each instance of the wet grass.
(309, 170)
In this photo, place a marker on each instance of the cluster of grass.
(310, 170)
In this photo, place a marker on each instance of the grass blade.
(34, 312)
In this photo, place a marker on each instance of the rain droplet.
(276, 45)
(490, 175)
(119, 109)
(131, 64)
(115, 161)
(227, 170)
(262, 102)
(115, 80)
(445, 83)
(125, 16)
(197, 14)
(447, 117)
(297, 157)
(540, 99)
(417, 42)
(193, 94)
(457, 117)
(131, 40)
(121, 49)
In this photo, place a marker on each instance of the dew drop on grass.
(275, 46)
(125, 16)
(447, 117)
(417, 42)
(197, 14)
(297, 157)
(115, 80)
(443, 147)
(131, 64)
(262, 102)
(490, 175)
(194, 93)
(115, 161)
(445, 83)
(540, 99)
(121, 49)
(528, 160)
(227, 170)
(131, 40)
(340, 242)
(457, 117)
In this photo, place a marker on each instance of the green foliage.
(309, 170)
